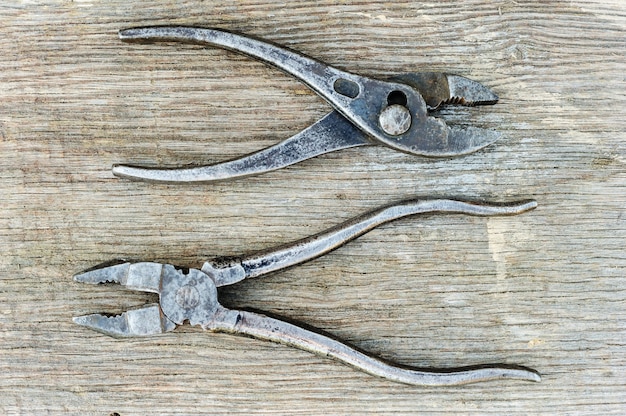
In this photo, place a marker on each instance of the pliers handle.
(227, 271)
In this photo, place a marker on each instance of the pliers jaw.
(439, 89)
(145, 321)
(190, 296)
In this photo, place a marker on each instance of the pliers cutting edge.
(192, 296)
(395, 113)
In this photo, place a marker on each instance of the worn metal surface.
(389, 113)
(311, 247)
(331, 133)
(192, 296)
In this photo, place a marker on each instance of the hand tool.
(191, 295)
(395, 113)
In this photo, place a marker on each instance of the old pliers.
(394, 113)
(192, 296)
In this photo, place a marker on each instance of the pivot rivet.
(395, 119)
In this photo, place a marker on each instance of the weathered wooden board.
(545, 289)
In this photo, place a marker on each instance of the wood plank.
(545, 289)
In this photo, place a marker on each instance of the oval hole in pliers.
(346, 87)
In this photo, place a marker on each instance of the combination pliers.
(397, 113)
(191, 295)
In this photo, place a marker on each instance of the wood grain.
(545, 289)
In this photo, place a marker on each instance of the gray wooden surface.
(545, 289)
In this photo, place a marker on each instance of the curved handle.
(333, 132)
(317, 75)
(271, 329)
(311, 247)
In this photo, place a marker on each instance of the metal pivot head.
(395, 119)
(190, 296)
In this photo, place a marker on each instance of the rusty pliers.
(191, 295)
(395, 113)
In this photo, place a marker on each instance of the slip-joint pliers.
(396, 113)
